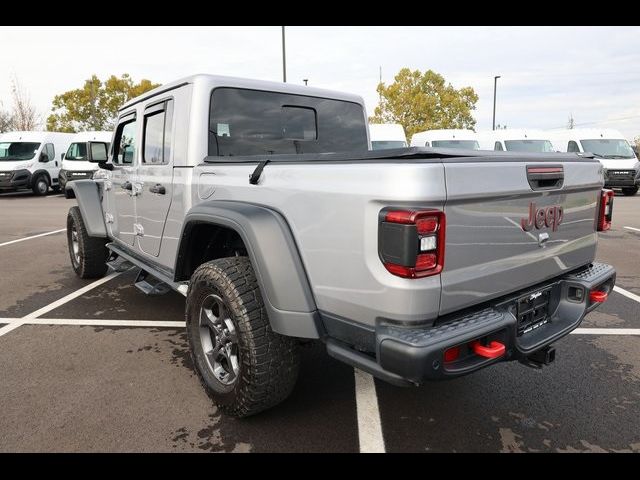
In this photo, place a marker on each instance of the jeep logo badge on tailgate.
(542, 217)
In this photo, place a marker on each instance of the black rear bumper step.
(415, 354)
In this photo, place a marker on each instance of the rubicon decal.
(550, 217)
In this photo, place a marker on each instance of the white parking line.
(96, 322)
(632, 228)
(47, 308)
(627, 293)
(369, 424)
(32, 236)
(606, 331)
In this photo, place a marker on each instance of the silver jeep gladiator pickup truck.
(412, 264)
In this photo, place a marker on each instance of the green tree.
(424, 101)
(95, 105)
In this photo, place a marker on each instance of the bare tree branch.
(24, 116)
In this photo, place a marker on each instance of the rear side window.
(124, 145)
(253, 122)
(572, 147)
(498, 146)
(157, 133)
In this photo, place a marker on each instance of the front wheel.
(243, 365)
(629, 191)
(88, 254)
(40, 185)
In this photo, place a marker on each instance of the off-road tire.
(38, 185)
(629, 191)
(92, 252)
(269, 362)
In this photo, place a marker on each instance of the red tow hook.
(494, 350)
(598, 296)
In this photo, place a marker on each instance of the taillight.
(605, 210)
(411, 242)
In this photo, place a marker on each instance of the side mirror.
(97, 152)
(44, 158)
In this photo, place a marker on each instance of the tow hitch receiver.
(493, 350)
(538, 359)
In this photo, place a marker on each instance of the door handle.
(157, 188)
(127, 185)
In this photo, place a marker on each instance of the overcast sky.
(548, 73)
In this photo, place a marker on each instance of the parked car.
(31, 160)
(452, 138)
(620, 162)
(387, 135)
(75, 164)
(220, 188)
(516, 140)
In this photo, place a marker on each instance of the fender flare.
(37, 173)
(274, 256)
(88, 196)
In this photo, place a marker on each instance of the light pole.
(495, 84)
(284, 59)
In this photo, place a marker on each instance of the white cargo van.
(31, 160)
(387, 135)
(446, 138)
(76, 164)
(516, 140)
(620, 163)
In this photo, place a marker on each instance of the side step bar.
(150, 281)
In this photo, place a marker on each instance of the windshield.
(18, 150)
(466, 144)
(384, 144)
(535, 146)
(77, 151)
(608, 148)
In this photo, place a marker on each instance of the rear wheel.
(244, 365)
(629, 191)
(40, 185)
(88, 254)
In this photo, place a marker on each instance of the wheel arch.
(272, 251)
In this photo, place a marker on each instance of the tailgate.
(488, 252)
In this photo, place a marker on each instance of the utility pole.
(495, 84)
(284, 59)
(305, 80)
(380, 94)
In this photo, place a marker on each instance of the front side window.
(253, 122)
(77, 151)
(608, 148)
(157, 133)
(533, 146)
(124, 146)
(50, 151)
(498, 146)
(465, 144)
(12, 151)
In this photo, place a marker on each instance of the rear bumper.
(15, 179)
(410, 355)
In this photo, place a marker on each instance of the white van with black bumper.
(76, 164)
(31, 160)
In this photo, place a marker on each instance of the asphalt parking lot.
(98, 366)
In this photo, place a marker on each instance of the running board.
(149, 285)
(117, 263)
(150, 280)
